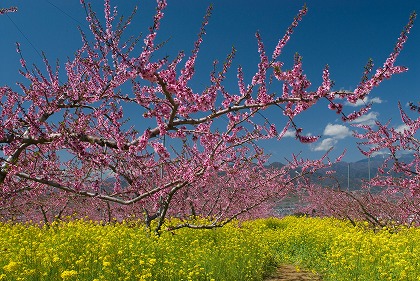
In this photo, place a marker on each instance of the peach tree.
(68, 146)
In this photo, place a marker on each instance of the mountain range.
(349, 175)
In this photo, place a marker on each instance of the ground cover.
(326, 248)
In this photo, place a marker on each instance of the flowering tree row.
(392, 196)
(68, 146)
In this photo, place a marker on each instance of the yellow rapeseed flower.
(11, 266)
(68, 274)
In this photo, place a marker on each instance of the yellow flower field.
(339, 251)
(86, 250)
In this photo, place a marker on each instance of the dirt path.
(289, 273)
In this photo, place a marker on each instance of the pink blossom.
(8, 10)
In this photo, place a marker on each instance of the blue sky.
(342, 34)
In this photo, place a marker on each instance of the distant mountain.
(276, 165)
(349, 175)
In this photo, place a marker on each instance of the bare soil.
(289, 273)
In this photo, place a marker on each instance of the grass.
(86, 250)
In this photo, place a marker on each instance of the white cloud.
(290, 134)
(334, 132)
(324, 145)
(401, 128)
(367, 119)
(376, 100)
(337, 131)
(365, 101)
